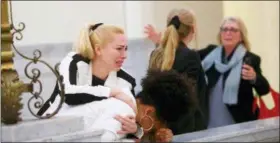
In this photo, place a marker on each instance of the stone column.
(137, 15)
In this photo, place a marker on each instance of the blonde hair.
(88, 39)
(163, 57)
(242, 28)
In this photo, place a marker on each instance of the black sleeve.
(193, 72)
(192, 65)
(81, 98)
(196, 77)
(133, 91)
(261, 84)
(205, 51)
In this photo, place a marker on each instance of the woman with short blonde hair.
(232, 71)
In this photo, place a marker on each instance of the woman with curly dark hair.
(166, 98)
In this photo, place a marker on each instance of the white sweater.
(87, 96)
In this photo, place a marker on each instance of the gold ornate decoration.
(11, 86)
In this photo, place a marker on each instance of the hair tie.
(93, 27)
(175, 21)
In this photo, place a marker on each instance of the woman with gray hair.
(232, 71)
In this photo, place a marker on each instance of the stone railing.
(255, 131)
(71, 129)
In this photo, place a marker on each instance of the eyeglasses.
(233, 30)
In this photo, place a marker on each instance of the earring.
(147, 117)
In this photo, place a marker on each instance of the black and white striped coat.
(87, 95)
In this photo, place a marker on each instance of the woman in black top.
(233, 73)
(173, 53)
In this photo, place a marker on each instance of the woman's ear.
(150, 111)
(97, 49)
(194, 28)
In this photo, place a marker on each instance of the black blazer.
(187, 62)
(241, 112)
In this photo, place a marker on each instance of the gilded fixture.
(11, 87)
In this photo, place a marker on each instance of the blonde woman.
(232, 71)
(173, 53)
(96, 87)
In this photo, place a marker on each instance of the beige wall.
(46, 22)
(137, 15)
(262, 21)
(209, 14)
(60, 21)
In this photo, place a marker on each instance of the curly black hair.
(170, 93)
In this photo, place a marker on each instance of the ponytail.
(169, 43)
(84, 46)
(163, 57)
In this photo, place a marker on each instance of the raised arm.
(152, 34)
(205, 51)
